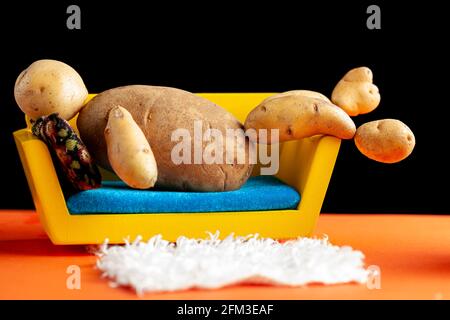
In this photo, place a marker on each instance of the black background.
(231, 47)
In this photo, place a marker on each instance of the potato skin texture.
(129, 152)
(304, 93)
(387, 140)
(355, 93)
(299, 116)
(50, 86)
(158, 111)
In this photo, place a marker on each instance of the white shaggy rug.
(159, 265)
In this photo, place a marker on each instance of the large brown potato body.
(158, 111)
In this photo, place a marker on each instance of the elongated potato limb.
(305, 93)
(129, 152)
(298, 116)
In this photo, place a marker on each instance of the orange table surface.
(412, 252)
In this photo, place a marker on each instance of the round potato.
(50, 86)
(161, 113)
(386, 141)
(298, 116)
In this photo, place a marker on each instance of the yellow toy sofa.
(306, 165)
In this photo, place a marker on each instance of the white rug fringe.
(159, 265)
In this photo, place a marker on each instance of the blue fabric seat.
(259, 193)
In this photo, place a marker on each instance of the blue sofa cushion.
(259, 193)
